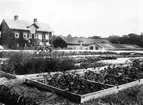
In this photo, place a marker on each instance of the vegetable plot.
(74, 83)
(90, 85)
(117, 75)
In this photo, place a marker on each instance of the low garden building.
(75, 43)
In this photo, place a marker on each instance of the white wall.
(77, 47)
(94, 47)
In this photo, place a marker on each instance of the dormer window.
(16, 34)
(25, 35)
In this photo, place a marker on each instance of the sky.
(81, 18)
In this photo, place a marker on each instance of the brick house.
(19, 34)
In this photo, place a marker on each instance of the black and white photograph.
(71, 52)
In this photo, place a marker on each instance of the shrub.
(16, 63)
(57, 64)
(26, 63)
(67, 64)
(34, 65)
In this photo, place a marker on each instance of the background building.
(74, 43)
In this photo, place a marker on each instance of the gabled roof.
(86, 41)
(107, 45)
(23, 25)
(44, 27)
(119, 46)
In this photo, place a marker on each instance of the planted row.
(26, 63)
(117, 75)
(73, 83)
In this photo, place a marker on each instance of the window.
(29, 36)
(50, 34)
(40, 36)
(36, 36)
(17, 45)
(0, 34)
(91, 47)
(33, 44)
(16, 34)
(25, 35)
(25, 45)
(46, 36)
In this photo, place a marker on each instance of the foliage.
(95, 37)
(24, 63)
(7, 54)
(117, 75)
(131, 38)
(73, 82)
(16, 62)
(23, 95)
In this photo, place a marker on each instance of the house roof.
(86, 41)
(119, 46)
(126, 46)
(23, 25)
(107, 45)
(129, 46)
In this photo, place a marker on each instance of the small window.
(25, 45)
(33, 44)
(25, 35)
(0, 34)
(16, 34)
(29, 36)
(17, 45)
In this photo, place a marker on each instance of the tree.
(131, 38)
(95, 37)
(69, 35)
(114, 39)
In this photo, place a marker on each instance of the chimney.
(16, 17)
(35, 20)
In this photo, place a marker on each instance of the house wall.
(5, 35)
(77, 47)
(35, 34)
(95, 47)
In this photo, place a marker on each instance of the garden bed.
(84, 97)
(90, 85)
